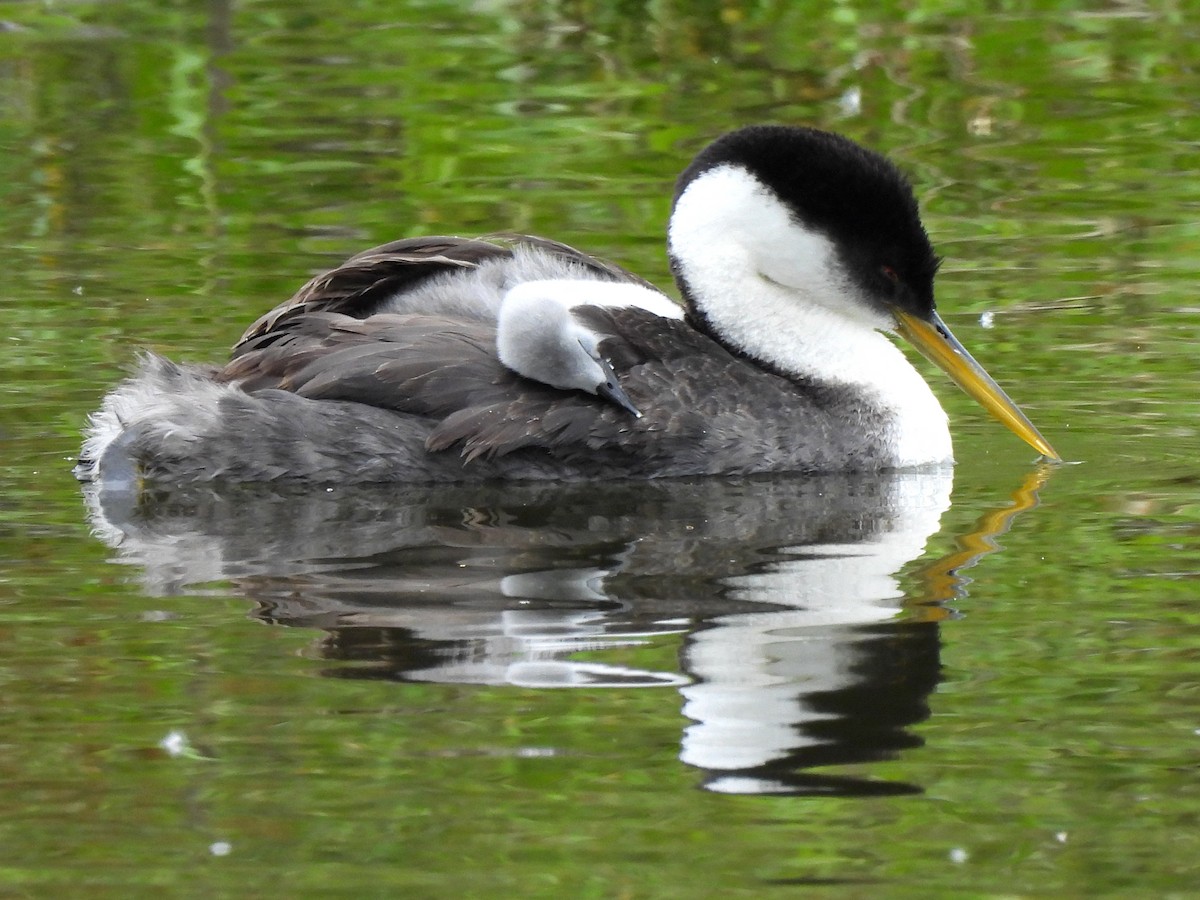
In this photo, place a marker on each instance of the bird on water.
(796, 252)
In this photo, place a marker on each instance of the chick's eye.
(889, 273)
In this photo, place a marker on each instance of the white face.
(726, 211)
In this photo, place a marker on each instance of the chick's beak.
(942, 348)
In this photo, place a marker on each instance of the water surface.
(984, 684)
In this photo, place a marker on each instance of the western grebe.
(444, 359)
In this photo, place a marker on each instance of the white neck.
(778, 291)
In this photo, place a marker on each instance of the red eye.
(890, 274)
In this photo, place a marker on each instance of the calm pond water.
(900, 686)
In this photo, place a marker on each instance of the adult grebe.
(445, 359)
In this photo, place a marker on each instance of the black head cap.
(854, 196)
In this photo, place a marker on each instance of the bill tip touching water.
(796, 253)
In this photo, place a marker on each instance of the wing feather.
(700, 402)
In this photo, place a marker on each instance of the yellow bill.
(942, 348)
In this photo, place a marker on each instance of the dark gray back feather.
(327, 387)
(359, 286)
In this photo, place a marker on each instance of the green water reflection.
(169, 171)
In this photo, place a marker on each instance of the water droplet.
(175, 743)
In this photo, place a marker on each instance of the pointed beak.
(942, 348)
(610, 389)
